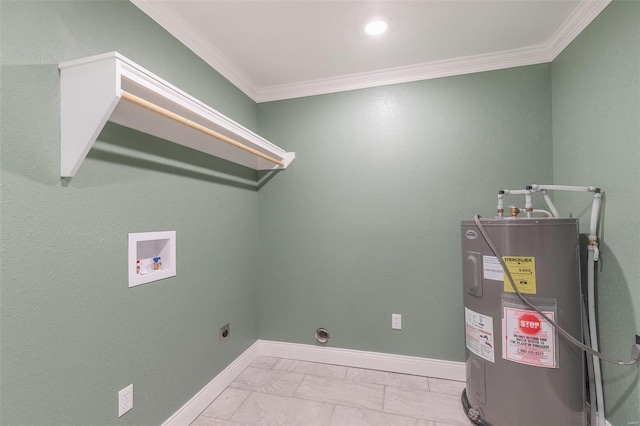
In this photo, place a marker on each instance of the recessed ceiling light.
(377, 26)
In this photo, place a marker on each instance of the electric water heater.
(519, 370)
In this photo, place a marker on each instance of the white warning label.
(528, 338)
(479, 334)
(492, 269)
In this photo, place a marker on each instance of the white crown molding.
(202, 48)
(584, 13)
(405, 74)
(582, 16)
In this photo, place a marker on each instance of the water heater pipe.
(500, 203)
(519, 210)
(564, 188)
(549, 203)
(595, 211)
(528, 207)
(528, 204)
(544, 212)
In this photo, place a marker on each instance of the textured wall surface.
(596, 141)
(73, 334)
(366, 221)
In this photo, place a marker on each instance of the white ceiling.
(275, 50)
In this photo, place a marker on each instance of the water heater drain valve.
(635, 352)
(473, 414)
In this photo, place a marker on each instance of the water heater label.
(491, 268)
(479, 334)
(528, 338)
(523, 272)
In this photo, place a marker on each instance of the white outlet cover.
(125, 400)
(396, 321)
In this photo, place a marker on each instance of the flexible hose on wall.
(591, 300)
(593, 255)
(590, 373)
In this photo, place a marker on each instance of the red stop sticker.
(529, 324)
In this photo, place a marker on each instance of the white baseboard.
(362, 359)
(196, 405)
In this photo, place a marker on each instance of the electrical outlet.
(396, 321)
(224, 333)
(125, 400)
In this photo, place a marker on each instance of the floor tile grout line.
(341, 403)
(384, 399)
(333, 413)
(356, 380)
(298, 387)
(382, 384)
(406, 416)
(317, 375)
(349, 380)
(333, 404)
(348, 368)
(236, 410)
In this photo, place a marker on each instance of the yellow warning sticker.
(523, 272)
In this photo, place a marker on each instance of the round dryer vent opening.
(322, 335)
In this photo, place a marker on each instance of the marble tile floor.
(275, 391)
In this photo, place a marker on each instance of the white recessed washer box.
(152, 256)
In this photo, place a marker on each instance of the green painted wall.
(73, 334)
(596, 141)
(366, 221)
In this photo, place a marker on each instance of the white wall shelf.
(152, 256)
(104, 88)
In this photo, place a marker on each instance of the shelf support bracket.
(85, 108)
